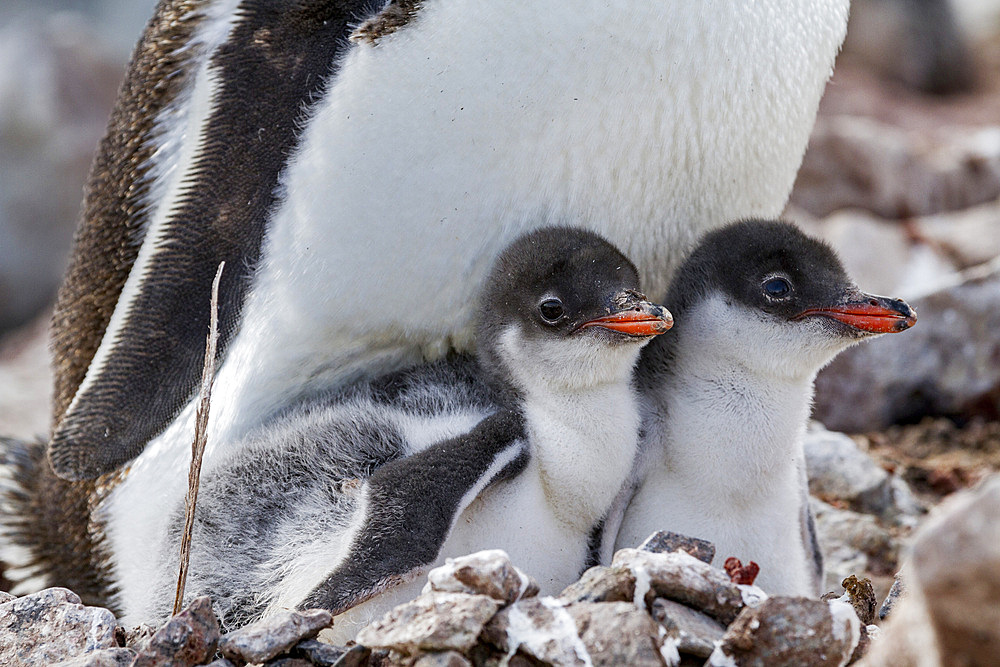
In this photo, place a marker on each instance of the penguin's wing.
(807, 529)
(208, 117)
(410, 506)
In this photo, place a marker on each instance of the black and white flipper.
(409, 507)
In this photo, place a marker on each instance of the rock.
(326, 655)
(609, 633)
(944, 366)
(6, 597)
(791, 631)
(852, 542)
(109, 657)
(290, 662)
(443, 659)
(188, 638)
(484, 573)
(138, 637)
(694, 632)
(664, 542)
(967, 237)
(221, 662)
(897, 590)
(839, 470)
(616, 633)
(950, 610)
(895, 172)
(433, 622)
(601, 584)
(52, 626)
(273, 635)
(956, 564)
(683, 578)
(862, 598)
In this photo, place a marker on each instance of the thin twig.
(200, 440)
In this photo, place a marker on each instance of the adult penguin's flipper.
(133, 312)
(410, 506)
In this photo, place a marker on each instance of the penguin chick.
(761, 308)
(523, 450)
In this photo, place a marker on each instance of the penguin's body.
(346, 500)
(760, 309)
(331, 174)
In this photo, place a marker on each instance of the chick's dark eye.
(777, 288)
(551, 310)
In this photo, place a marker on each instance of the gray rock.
(852, 542)
(442, 659)
(956, 565)
(946, 365)
(137, 638)
(896, 592)
(6, 597)
(109, 657)
(860, 162)
(617, 633)
(694, 632)
(188, 638)
(791, 631)
(483, 573)
(289, 662)
(609, 633)
(839, 470)
(664, 542)
(433, 622)
(326, 655)
(221, 662)
(683, 578)
(52, 626)
(601, 584)
(273, 635)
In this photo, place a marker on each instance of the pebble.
(665, 541)
(601, 584)
(433, 621)
(786, 631)
(273, 635)
(897, 590)
(186, 639)
(485, 573)
(695, 632)
(683, 578)
(52, 626)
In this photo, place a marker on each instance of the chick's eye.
(777, 288)
(551, 310)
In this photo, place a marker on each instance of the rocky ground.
(906, 187)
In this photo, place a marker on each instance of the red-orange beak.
(643, 319)
(874, 314)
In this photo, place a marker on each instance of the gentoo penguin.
(350, 159)
(760, 308)
(351, 496)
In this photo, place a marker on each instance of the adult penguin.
(342, 154)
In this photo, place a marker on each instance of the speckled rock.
(861, 596)
(601, 584)
(6, 597)
(51, 626)
(482, 573)
(664, 542)
(109, 657)
(693, 632)
(683, 578)
(273, 635)
(433, 622)
(617, 633)
(188, 638)
(785, 631)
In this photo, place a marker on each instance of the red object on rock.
(740, 573)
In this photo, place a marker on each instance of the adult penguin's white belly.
(437, 143)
